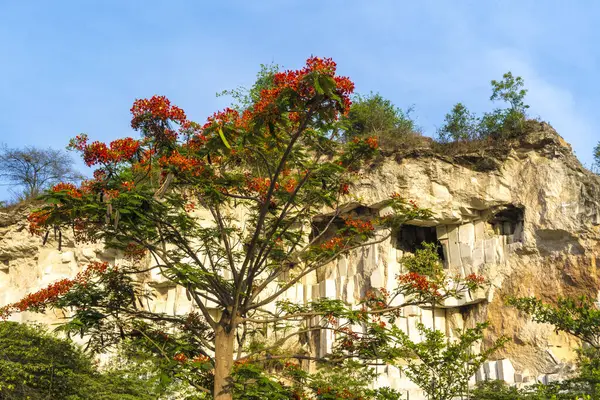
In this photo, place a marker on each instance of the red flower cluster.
(43, 297)
(157, 108)
(182, 163)
(419, 283)
(110, 194)
(201, 359)
(259, 185)
(375, 301)
(334, 244)
(189, 207)
(134, 252)
(475, 279)
(69, 188)
(290, 185)
(360, 226)
(344, 188)
(99, 153)
(373, 142)
(331, 319)
(242, 362)
(88, 186)
(196, 142)
(128, 185)
(291, 365)
(349, 338)
(37, 220)
(125, 148)
(295, 81)
(227, 116)
(180, 358)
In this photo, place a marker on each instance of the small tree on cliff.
(261, 177)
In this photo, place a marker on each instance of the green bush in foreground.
(34, 364)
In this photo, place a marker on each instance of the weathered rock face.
(530, 223)
(540, 207)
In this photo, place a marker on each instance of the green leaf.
(318, 87)
(225, 142)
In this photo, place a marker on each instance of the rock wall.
(530, 224)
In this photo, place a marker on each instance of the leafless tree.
(31, 169)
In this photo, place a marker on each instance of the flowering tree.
(262, 175)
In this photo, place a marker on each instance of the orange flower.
(158, 108)
(37, 221)
(181, 358)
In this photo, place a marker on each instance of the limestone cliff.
(536, 218)
(528, 218)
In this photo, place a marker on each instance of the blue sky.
(76, 66)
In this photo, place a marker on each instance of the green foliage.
(36, 365)
(347, 380)
(494, 390)
(243, 97)
(442, 367)
(580, 318)
(373, 115)
(459, 125)
(500, 124)
(511, 90)
(506, 123)
(499, 390)
(425, 261)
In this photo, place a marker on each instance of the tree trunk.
(223, 363)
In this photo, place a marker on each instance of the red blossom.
(71, 189)
(344, 188)
(475, 279)
(99, 153)
(201, 359)
(419, 283)
(37, 220)
(48, 295)
(157, 108)
(373, 142)
(334, 244)
(134, 252)
(359, 225)
(182, 163)
(227, 116)
(290, 185)
(296, 81)
(128, 185)
(259, 185)
(180, 358)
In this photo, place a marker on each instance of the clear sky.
(76, 66)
